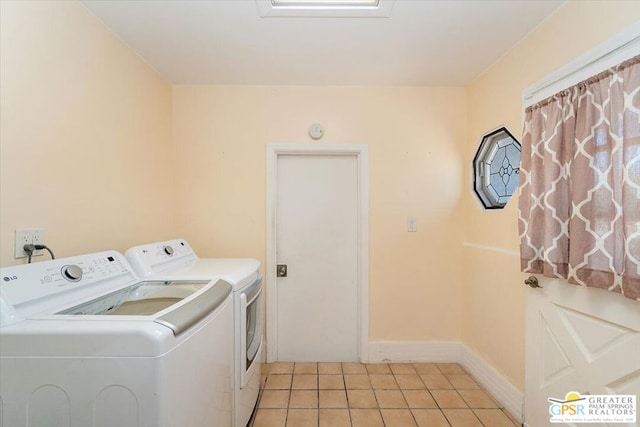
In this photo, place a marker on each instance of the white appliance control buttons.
(168, 250)
(72, 273)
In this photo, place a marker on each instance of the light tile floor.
(374, 395)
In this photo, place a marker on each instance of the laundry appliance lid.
(145, 319)
(139, 299)
(173, 303)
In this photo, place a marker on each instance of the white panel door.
(579, 339)
(317, 238)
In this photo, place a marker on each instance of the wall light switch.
(412, 225)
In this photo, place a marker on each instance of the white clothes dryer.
(83, 342)
(176, 260)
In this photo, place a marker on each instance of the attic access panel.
(496, 167)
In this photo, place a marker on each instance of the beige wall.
(84, 131)
(95, 147)
(416, 138)
(493, 314)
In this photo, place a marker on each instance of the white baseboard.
(414, 351)
(493, 381)
(452, 352)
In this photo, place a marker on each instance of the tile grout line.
(344, 383)
(378, 409)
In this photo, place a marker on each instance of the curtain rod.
(627, 41)
(598, 59)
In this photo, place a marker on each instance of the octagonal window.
(496, 166)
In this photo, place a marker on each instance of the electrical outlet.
(38, 238)
(35, 236)
(23, 237)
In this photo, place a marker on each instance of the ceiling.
(227, 42)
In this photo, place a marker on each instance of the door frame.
(361, 152)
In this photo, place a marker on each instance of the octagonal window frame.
(490, 145)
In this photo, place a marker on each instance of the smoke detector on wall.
(316, 131)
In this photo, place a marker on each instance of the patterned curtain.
(580, 183)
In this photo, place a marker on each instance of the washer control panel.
(27, 283)
(158, 257)
(72, 273)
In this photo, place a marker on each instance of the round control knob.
(72, 273)
(168, 250)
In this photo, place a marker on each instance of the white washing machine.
(175, 260)
(83, 342)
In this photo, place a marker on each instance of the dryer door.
(251, 327)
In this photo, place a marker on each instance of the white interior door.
(317, 238)
(579, 339)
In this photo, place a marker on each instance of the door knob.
(532, 281)
(281, 270)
